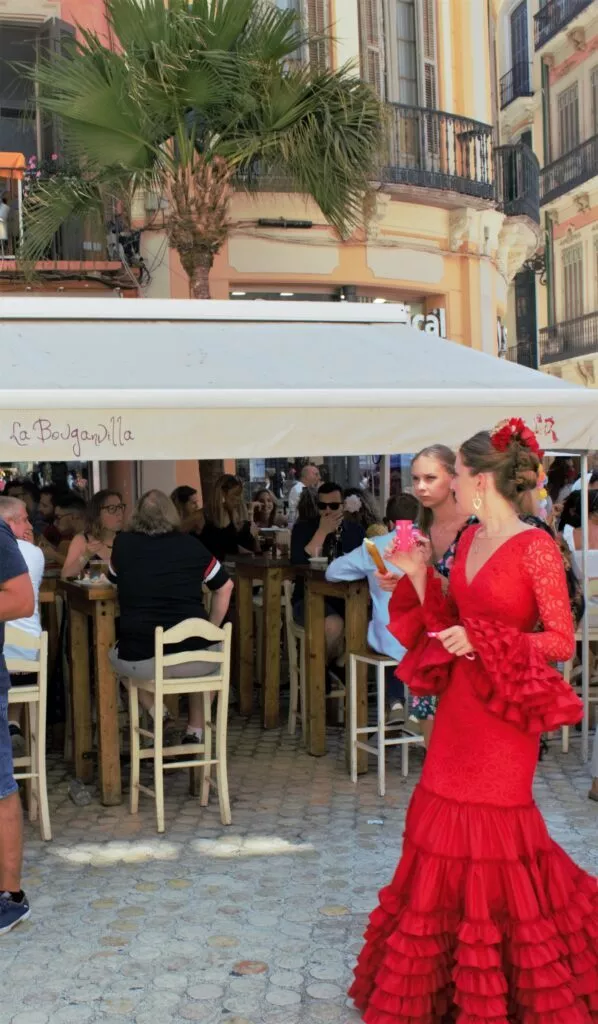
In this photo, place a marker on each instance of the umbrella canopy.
(166, 379)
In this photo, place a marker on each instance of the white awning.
(165, 379)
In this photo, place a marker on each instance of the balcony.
(523, 353)
(554, 16)
(517, 181)
(517, 82)
(78, 248)
(570, 338)
(569, 171)
(433, 149)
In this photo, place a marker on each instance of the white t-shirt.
(35, 564)
(294, 495)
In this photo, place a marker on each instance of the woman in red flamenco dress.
(487, 920)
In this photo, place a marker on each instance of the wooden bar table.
(49, 613)
(96, 602)
(356, 597)
(270, 572)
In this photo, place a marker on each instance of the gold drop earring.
(477, 502)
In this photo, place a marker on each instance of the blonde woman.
(228, 530)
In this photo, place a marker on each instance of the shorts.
(146, 668)
(8, 785)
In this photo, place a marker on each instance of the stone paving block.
(256, 924)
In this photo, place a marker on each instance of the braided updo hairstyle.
(515, 470)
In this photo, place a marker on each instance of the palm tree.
(192, 99)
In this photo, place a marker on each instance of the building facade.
(548, 67)
(453, 218)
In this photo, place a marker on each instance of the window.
(594, 91)
(22, 130)
(573, 281)
(520, 50)
(371, 46)
(568, 110)
(406, 35)
(411, 62)
(17, 124)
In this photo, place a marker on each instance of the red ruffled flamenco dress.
(487, 920)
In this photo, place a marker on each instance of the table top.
(89, 592)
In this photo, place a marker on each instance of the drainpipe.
(548, 225)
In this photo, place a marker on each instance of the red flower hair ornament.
(515, 429)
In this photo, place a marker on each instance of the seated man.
(14, 513)
(69, 519)
(47, 510)
(358, 565)
(323, 530)
(28, 492)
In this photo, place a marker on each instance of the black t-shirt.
(160, 583)
(226, 540)
(352, 535)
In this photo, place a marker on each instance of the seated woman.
(160, 573)
(360, 507)
(321, 529)
(228, 530)
(266, 512)
(187, 503)
(104, 519)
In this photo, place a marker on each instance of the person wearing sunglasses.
(104, 519)
(322, 529)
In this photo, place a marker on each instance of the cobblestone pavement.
(255, 924)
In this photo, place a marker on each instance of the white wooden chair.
(31, 768)
(296, 653)
(574, 678)
(196, 756)
(381, 729)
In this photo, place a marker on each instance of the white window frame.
(577, 247)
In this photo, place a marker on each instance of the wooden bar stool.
(574, 678)
(381, 729)
(296, 653)
(31, 768)
(196, 756)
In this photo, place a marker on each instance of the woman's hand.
(386, 580)
(455, 641)
(413, 562)
(95, 547)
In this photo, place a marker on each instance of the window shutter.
(317, 23)
(594, 86)
(429, 54)
(371, 44)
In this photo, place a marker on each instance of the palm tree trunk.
(199, 281)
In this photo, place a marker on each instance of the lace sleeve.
(511, 674)
(543, 564)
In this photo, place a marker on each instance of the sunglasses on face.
(332, 505)
(113, 509)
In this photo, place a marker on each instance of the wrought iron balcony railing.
(433, 149)
(554, 16)
(517, 181)
(569, 170)
(523, 353)
(517, 82)
(578, 337)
